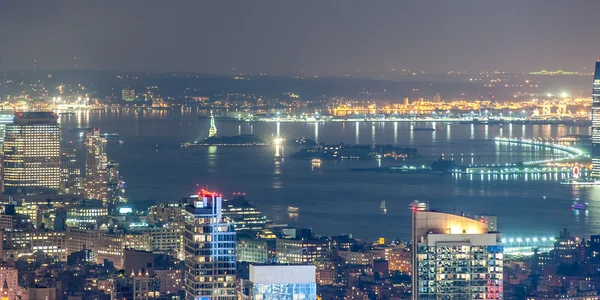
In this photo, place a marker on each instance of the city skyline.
(393, 150)
(323, 38)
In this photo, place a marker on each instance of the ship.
(109, 134)
(382, 207)
(423, 129)
(316, 162)
(579, 206)
(293, 210)
(238, 140)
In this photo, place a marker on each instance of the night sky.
(285, 37)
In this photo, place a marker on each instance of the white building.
(283, 282)
(455, 257)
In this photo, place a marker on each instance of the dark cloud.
(325, 37)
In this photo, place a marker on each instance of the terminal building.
(455, 257)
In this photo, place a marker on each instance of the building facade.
(283, 282)
(31, 154)
(455, 257)
(96, 185)
(209, 243)
(70, 174)
(596, 123)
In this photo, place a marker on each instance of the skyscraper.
(70, 174)
(209, 245)
(114, 184)
(437, 98)
(32, 153)
(596, 123)
(96, 186)
(283, 282)
(455, 257)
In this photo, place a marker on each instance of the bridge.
(527, 245)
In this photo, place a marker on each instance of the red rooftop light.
(207, 193)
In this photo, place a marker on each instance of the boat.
(79, 129)
(579, 205)
(316, 162)
(382, 207)
(423, 129)
(293, 210)
(109, 134)
(121, 142)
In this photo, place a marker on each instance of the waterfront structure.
(209, 241)
(212, 131)
(31, 154)
(455, 257)
(596, 123)
(283, 282)
(96, 186)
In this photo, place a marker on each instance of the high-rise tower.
(32, 153)
(96, 186)
(596, 123)
(70, 181)
(212, 131)
(209, 244)
(455, 257)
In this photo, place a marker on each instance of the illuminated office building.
(88, 215)
(127, 94)
(115, 187)
(283, 282)
(300, 251)
(209, 245)
(31, 152)
(5, 119)
(596, 123)
(253, 250)
(96, 186)
(244, 215)
(70, 174)
(455, 257)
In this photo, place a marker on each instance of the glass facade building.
(455, 257)
(209, 247)
(596, 123)
(96, 161)
(283, 282)
(32, 154)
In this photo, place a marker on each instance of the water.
(332, 199)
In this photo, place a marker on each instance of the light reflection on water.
(332, 199)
